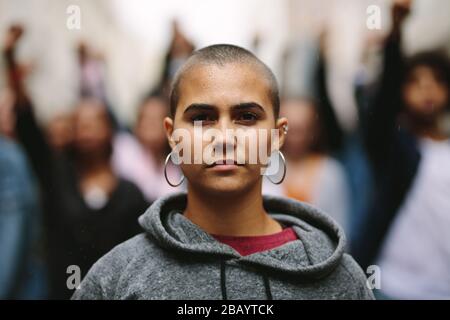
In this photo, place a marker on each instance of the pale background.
(134, 34)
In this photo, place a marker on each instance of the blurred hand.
(26, 69)
(13, 35)
(400, 11)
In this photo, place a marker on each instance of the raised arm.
(380, 124)
(331, 124)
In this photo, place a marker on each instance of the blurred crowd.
(71, 189)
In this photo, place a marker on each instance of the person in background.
(16, 72)
(89, 209)
(22, 267)
(91, 78)
(179, 50)
(7, 114)
(59, 132)
(406, 232)
(23, 270)
(314, 176)
(92, 73)
(142, 161)
(314, 136)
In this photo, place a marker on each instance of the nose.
(227, 139)
(224, 124)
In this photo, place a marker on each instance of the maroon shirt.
(247, 245)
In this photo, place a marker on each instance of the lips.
(223, 162)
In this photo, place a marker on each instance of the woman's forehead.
(224, 85)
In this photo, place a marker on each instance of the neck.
(240, 214)
(429, 130)
(93, 163)
(157, 155)
(304, 157)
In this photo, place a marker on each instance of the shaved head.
(220, 55)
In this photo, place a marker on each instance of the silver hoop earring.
(284, 169)
(169, 157)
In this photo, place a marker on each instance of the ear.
(168, 127)
(282, 126)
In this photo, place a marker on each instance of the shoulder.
(14, 167)
(11, 153)
(130, 192)
(138, 247)
(333, 174)
(333, 166)
(103, 279)
(358, 285)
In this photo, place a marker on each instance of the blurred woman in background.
(140, 159)
(59, 132)
(314, 176)
(406, 231)
(89, 209)
(315, 138)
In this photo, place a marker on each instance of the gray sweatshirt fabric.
(175, 259)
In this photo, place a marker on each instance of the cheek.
(246, 149)
(269, 145)
(191, 171)
(272, 142)
(104, 133)
(411, 95)
(442, 96)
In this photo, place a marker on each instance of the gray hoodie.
(175, 259)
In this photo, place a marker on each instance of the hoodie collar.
(317, 252)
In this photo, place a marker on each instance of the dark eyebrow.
(248, 105)
(199, 106)
(208, 107)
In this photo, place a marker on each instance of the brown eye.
(203, 118)
(247, 117)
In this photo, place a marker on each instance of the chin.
(227, 186)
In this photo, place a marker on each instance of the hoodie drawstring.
(223, 285)
(267, 287)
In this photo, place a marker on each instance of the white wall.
(133, 35)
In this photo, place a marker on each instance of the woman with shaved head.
(223, 239)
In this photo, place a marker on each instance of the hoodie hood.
(316, 253)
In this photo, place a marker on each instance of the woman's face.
(149, 127)
(424, 95)
(92, 129)
(60, 131)
(230, 97)
(303, 127)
